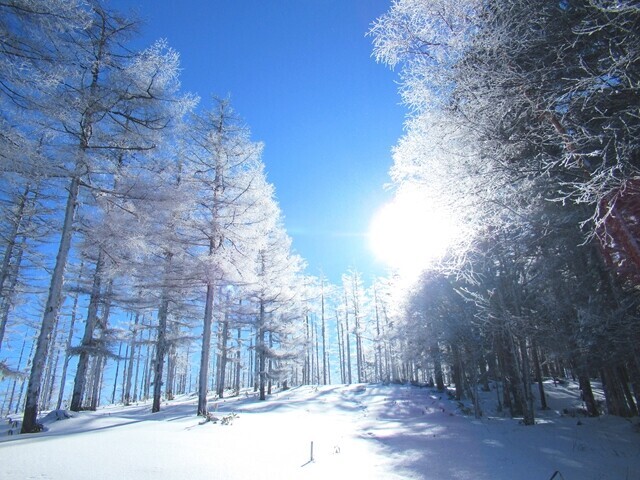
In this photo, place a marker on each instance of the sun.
(411, 232)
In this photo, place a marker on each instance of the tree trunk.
(161, 344)
(115, 380)
(222, 365)
(527, 396)
(539, 379)
(317, 344)
(172, 359)
(52, 307)
(348, 352)
(87, 338)
(437, 366)
(340, 349)
(378, 359)
(236, 383)
(324, 338)
(260, 351)
(205, 352)
(126, 398)
(457, 372)
(270, 367)
(67, 356)
(624, 383)
(587, 395)
(15, 378)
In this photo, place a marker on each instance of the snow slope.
(358, 431)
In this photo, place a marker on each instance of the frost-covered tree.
(516, 105)
(274, 296)
(233, 209)
(110, 99)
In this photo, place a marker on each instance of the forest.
(144, 253)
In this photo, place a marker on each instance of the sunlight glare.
(411, 232)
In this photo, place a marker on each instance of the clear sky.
(301, 75)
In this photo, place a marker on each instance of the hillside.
(358, 431)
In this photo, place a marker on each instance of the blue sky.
(300, 73)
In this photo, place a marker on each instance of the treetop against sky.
(302, 77)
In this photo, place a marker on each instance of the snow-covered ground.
(358, 432)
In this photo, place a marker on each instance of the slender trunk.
(317, 353)
(125, 370)
(260, 351)
(52, 307)
(135, 380)
(457, 372)
(324, 339)
(171, 370)
(307, 358)
(15, 379)
(378, 359)
(623, 378)
(340, 345)
(23, 382)
(132, 355)
(270, 368)
(206, 349)
(529, 414)
(96, 386)
(236, 385)
(148, 366)
(359, 354)
(49, 372)
(222, 367)
(115, 380)
(52, 379)
(161, 344)
(67, 356)
(87, 338)
(311, 350)
(348, 352)
(255, 365)
(538, 373)
(437, 366)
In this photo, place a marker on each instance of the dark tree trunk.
(539, 379)
(87, 338)
(206, 349)
(222, 364)
(161, 347)
(126, 399)
(587, 395)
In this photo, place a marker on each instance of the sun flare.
(411, 232)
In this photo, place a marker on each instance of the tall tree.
(109, 100)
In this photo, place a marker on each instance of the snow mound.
(54, 416)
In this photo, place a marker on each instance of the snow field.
(358, 431)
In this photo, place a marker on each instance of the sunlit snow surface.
(358, 432)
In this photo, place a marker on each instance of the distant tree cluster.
(525, 121)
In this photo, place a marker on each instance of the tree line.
(524, 122)
(130, 216)
(143, 251)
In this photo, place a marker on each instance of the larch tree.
(273, 294)
(232, 210)
(110, 99)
